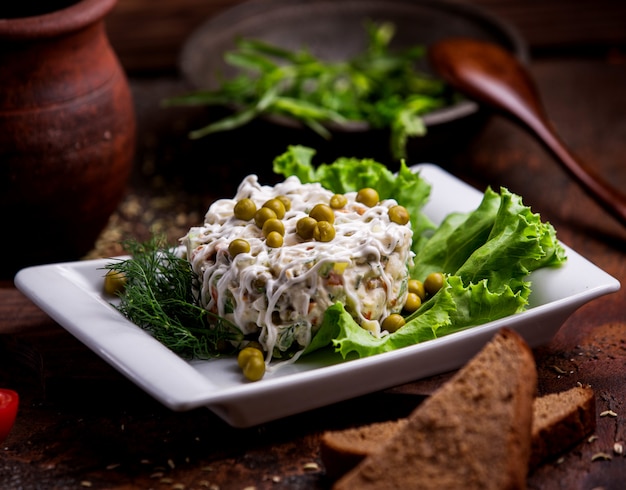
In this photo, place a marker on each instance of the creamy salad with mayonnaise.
(338, 256)
(277, 289)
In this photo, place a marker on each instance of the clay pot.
(67, 131)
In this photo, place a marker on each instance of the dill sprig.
(161, 297)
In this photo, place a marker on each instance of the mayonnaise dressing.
(281, 294)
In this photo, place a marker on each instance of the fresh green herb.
(377, 86)
(159, 296)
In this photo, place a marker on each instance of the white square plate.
(71, 293)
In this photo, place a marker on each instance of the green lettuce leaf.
(454, 308)
(351, 174)
(485, 255)
(501, 241)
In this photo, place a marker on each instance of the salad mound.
(275, 276)
(484, 258)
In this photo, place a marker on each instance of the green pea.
(433, 282)
(286, 202)
(399, 214)
(273, 224)
(254, 368)
(393, 322)
(305, 227)
(277, 206)
(246, 353)
(413, 302)
(368, 196)
(324, 231)
(274, 239)
(114, 282)
(238, 246)
(262, 215)
(338, 201)
(322, 212)
(417, 287)
(245, 209)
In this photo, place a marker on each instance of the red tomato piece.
(9, 401)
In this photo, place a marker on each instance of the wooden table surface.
(83, 425)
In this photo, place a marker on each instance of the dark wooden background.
(147, 34)
(83, 425)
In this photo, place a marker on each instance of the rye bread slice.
(560, 420)
(342, 450)
(472, 433)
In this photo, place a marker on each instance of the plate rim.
(229, 403)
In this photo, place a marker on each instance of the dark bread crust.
(472, 433)
(560, 420)
(342, 450)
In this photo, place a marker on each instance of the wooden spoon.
(491, 75)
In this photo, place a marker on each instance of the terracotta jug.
(67, 130)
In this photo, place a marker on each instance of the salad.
(482, 259)
(273, 259)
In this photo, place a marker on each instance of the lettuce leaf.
(452, 309)
(485, 255)
(501, 240)
(351, 174)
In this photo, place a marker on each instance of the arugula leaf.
(242, 117)
(378, 86)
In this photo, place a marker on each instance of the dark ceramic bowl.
(334, 30)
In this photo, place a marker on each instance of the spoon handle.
(607, 196)
(490, 75)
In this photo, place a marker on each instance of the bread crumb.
(558, 369)
(608, 413)
(618, 448)
(601, 457)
